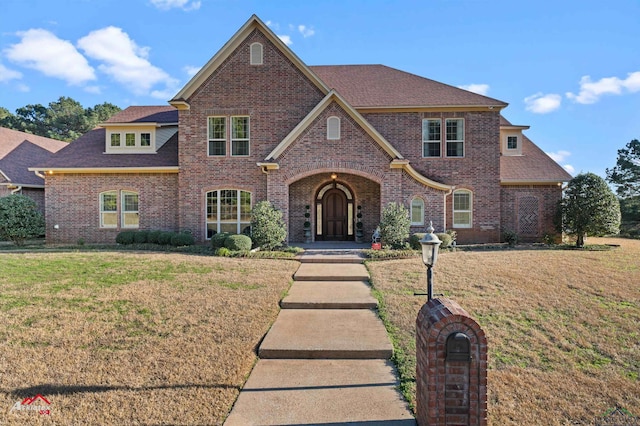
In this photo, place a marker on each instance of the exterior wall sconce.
(334, 176)
(430, 245)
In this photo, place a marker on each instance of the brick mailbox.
(451, 366)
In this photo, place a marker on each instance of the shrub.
(125, 237)
(395, 224)
(268, 229)
(20, 219)
(445, 238)
(153, 237)
(223, 251)
(238, 243)
(414, 240)
(182, 239)
(141, 237)
(165, 237)
(217, 240)
(510, 237)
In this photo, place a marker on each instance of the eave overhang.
(404, 165)
(98, 170)
(514, 182)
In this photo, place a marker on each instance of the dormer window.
(115, 139)
(255, 53)
(131, 140)
(512, 142)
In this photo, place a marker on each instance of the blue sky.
(570, 70)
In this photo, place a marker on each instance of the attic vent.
(256, 54)
(333, 128)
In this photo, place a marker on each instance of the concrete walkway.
(325, 360)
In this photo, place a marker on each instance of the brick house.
(256, 123)
(18, 151)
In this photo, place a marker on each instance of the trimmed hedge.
(125, 237)
(414, 240)
(140, 237)
(238, 243)
(217, 240)
(182, 239)
(165, 238)
(155, 237)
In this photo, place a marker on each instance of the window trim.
(333, 128)
(124, 212)
(256, 51)
(454, 141)
(425, 137)
(209, 139)
(421, 206)
(469, 211)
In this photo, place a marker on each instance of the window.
(239, 136)
(130, 216)
(109, 209)
(512, 142)
(417, 211)
(462, 209)
(228, 210)
(333, 128)
(217, 136)
(455, 137)
(431, 138)
(145, 139)
(115, 139)
(255, 54)
(130, 139)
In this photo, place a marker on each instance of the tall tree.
(626, 174)
(66, 119)
(100, 113)
(589, 208)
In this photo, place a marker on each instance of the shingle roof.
(145, 114)
(375, 86)
(532, 166)
(88, 152)
(19, 151)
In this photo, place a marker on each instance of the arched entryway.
(334, 213)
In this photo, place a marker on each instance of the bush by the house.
(445, 238)
(394, 226)
(217, 240)
(414, 240)
(223, 251)
(153, 237)
(20, 219)
(125, 237)
(141, 237)
(182, 239)
(164, 238)
(510, 237)
(268, 229)
(238, 243)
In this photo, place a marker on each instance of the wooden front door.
(334, 220)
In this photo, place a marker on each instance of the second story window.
(431, 138)
(333, 128)
(455, 137)
(239, 136)
(512, 142)
(236, 133)
(217, 136)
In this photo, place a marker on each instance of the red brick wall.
(512, 208)
(73, 204)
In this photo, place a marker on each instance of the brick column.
(451, 366)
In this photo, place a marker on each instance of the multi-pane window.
(431, 138)
(417, 211)
(455, 137)
(115, 139)
(109, 209)
(462, 209)
(145, 139)
(130, 139)
(217, 136)
(228, 210)
(130, 216)
(512, 142)
(240, 136)
(333, 128)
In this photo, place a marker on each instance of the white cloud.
(558, 156)
(306, 31)
(569, 168)
(543, 104)
(286, 39)
(124, 60)
(273, 25)
(591, 91)
(174, 4)
(23, 88)
(41, 50)
(190, 70)
(95, 90)
(7, 74)
(480, 89)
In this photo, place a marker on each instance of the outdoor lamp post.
(430, 246)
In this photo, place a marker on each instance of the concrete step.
(329, 295)
(328, 256)
(326, 334)
(328, 392)
(331, 272)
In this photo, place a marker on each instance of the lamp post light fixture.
(430, 245)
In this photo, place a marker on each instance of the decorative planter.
(307, 235)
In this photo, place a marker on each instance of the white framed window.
(255, 53)
(109, 209)
(512, 142)
(462, 208)
(228, 210)
(240, 136)
(130, 216)
(333, 128)
(123, 141)
(130, 139)
(431, 137)
(417, 211)
(217, 136)
(455, 137)
(145, 139)
(115, 139)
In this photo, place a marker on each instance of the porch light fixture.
(334, 176)
(430, 245)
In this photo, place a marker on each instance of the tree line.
(65, 119)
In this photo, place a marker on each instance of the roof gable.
(532, 167)
(10, 139)
(180, 100)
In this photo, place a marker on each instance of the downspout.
(17, 189)
(40, 175)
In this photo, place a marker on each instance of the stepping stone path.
(325, 360)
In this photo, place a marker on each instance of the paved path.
(326, 358)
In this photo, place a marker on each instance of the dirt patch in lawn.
(124, 338)
(562, 326)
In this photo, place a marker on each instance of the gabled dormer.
(511, 138)
(140, 130)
